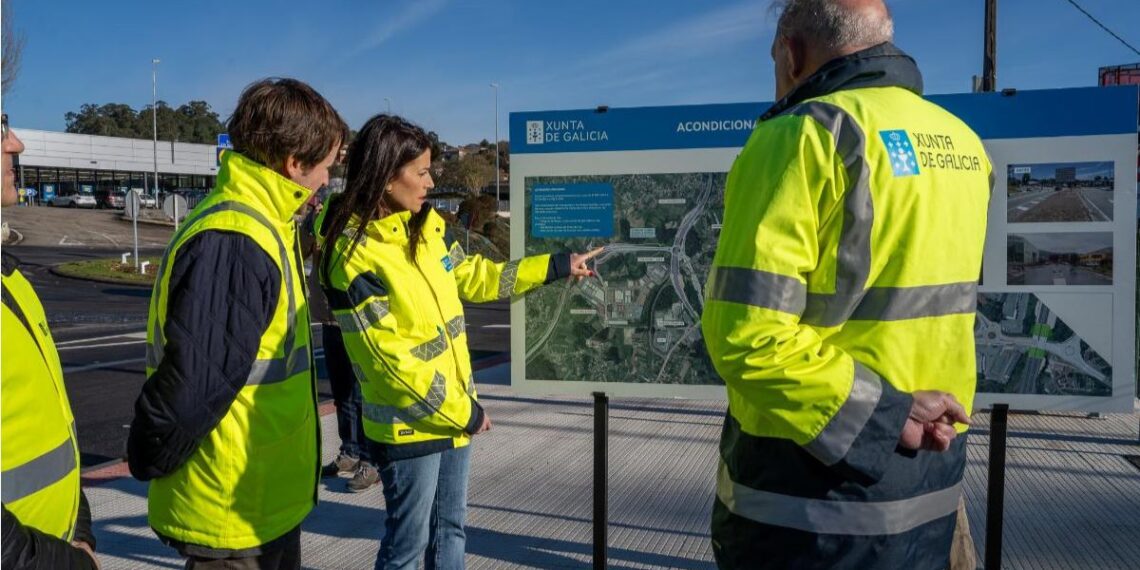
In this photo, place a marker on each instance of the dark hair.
(278, 117)
(383, 146)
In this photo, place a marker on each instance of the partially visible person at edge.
(46, 519)
(395, 277)
(841, 327)
(226, 426)
(353, 457)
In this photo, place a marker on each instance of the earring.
(388, 189)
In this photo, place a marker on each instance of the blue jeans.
(346, 394)
(426, 499)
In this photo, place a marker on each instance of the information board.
(1057, 298)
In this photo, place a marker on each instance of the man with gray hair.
(841, 327)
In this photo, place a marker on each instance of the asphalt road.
(1019, 203)
(1098, 202)
(100, 331)
(1056, 274)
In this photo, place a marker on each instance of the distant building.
(1021, 251)
(1067, 175)
(1120, 75)
(65, 163)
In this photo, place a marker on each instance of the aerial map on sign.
(638, 320)
(1023, 348)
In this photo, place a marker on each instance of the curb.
(116, 469)
(148, 221)
(19, 237)
(52, 269)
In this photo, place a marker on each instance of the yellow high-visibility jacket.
(844, 279)
(254, 476)
(404, 329)
(40, 454)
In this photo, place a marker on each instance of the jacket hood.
(883, 65)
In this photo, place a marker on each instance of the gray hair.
(832, 26)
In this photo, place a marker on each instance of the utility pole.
(989, 59)
(498, 178)
(154, 118)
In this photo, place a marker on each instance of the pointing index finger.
(593, 253)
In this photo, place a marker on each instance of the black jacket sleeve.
(25, 548)
(83, 531)
(222, 293)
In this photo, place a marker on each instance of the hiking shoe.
(366, 476)
(342, 465)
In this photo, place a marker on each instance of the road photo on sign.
(1060, 192)
(1060, 259)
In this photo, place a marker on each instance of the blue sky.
(434, 59)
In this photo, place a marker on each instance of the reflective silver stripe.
(432, 348)
(154, 354)
(833, 442)
(901, 303)
(392, 415)
(39, 473)
(456, 326)
(835, 517)
(348, 321)
(358, 321)
(274, 370)
(507, 279)
(758, 288)
(853, 262)
(457, 254)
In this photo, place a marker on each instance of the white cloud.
(709, 32)
(414, 12)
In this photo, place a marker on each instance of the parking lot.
(79, 227)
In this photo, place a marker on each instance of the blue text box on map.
(572, 210)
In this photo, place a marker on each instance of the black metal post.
(989, 58)
(601, 478)
(995, 497)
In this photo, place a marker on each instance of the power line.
(1102, 26)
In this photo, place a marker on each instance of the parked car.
(148, 200)
(78, 200)
(112, 198)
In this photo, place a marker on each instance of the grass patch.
(110, 270)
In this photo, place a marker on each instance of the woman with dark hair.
(395, 279)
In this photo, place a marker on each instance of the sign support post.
(995, 495)
(601, 478)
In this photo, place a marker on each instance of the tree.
(111, 119)
(436, 146)
(470, 173)
(192, 122)
(504, 156)
(13, 49)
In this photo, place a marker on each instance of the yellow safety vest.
(404, 328)
(253, 478)
(40, 479)
(846, 278)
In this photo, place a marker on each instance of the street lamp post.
(498, 178)
(154, 118)
(388, 102)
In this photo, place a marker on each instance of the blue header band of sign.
(1026, 114)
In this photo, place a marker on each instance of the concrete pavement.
(1072, 500)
